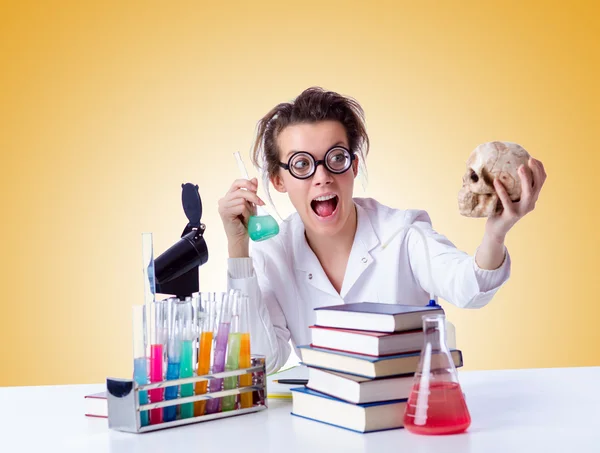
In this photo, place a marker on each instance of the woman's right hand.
(235, 209)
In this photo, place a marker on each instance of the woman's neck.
(339, 245)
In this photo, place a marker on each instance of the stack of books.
(361, 363)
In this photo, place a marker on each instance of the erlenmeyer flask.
(261, 226)
(436, 404)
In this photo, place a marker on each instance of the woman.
(329, 252)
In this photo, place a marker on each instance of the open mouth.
(325, 205)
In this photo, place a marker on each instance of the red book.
(367, 342)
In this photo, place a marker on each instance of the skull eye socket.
(474, 176)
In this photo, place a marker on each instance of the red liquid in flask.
(436, 404)
(445, 410)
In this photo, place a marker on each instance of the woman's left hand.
(532, 180)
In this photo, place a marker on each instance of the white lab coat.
(285, 281)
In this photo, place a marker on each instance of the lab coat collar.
(360, 258)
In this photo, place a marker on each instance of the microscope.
(176, 269)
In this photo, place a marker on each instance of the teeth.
(325, 198)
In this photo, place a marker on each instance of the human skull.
(477, 197)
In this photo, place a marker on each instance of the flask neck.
(434, 328)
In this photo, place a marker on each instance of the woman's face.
(324, 201)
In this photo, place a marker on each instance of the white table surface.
(534, 410)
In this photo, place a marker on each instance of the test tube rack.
(124, 408)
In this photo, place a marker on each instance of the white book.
(363, 418)
(366, 342)
(357, 389)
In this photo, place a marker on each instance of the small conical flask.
(436, 404)
(263, 225)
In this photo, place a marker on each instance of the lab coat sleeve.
(269, 334)
(457, 277)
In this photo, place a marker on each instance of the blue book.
(361, 418)
(366, 365)
(374, 316)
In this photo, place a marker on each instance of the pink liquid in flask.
(436, 404)
(447, 411)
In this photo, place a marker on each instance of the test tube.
(206, 319)
(186, 370)
(158, 333)
(220, 350)
(228, 403)
(196, 310)
(173, 357)
(245, 353)
(140, 358)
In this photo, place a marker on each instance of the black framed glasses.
(303, 165)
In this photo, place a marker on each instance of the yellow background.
(106, 109)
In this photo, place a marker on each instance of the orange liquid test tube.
(246, 399)
(244, 362)
(206, 340)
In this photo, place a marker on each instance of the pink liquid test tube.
(158, 336)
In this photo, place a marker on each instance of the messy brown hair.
(311, 106)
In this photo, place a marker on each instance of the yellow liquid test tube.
(244, 362)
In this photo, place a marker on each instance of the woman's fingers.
(248, 196)
(226, 205)
(527, 181)
(507, 203)
(243, 194)
(539, 176)
(236, 209)
(251, 185)
(541, 165)
(240, 208)
(246, 189)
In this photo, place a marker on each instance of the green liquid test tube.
(233, 357)
(187, 370)
(186, 367)
(233, 351)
